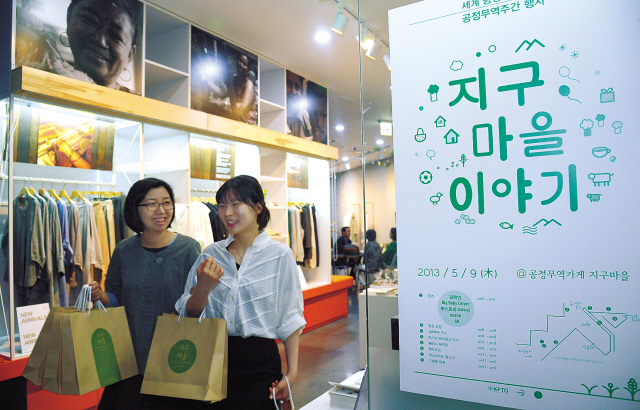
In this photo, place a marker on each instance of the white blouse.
(263, 298)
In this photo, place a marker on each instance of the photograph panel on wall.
(54, 138)
(306, 108)
(212, 159)
(297, 171)
(97, 41)
(224, 78)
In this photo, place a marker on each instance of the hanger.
(76, 194)
(53, 193)
(25, 192)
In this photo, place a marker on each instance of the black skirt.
(254, 364)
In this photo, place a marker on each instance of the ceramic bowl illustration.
(600, 152)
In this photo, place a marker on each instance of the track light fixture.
(372, 52)
(387, 60)
(340, 21)
(366, 38)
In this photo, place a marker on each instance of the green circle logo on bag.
(182, 356)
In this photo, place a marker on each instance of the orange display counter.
(327, 303)
(38, 398)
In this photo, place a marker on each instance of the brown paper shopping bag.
(188, 359)
(34, 370)
(99, 352)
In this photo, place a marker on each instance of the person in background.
(146, 275)
(340, 243)
(252, 282)
(372, 256)
(390, 253)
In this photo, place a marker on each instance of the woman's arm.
(246, 104)
(208, 275)
(291, 347)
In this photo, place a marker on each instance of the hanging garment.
(76, 245)
(217, 226)
(90, 247)
(63, 215)
(29, 251)
(53, 233)
(315, 230)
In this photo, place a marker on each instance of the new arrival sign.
(517, 144)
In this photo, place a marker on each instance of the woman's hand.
(209, 273)
(98, 294)
(281, 389)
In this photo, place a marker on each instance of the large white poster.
(517, 138)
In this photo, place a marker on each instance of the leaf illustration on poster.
(539, 96)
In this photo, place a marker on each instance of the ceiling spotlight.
(366, 38)
(340, 21)
(339, 127)
(347, 166)
(380, 142)
(387, 60)
(322, 37)
(345, 159)
(386, 129)
(373, 50)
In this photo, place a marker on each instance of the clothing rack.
(61, 181)
(204, 190)
(100, 193)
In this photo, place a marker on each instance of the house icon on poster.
(440, 122)
(451, 137)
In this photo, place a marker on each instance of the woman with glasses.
(146, 275)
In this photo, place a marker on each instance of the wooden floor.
(329, 353)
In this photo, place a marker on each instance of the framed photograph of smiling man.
(97, 41)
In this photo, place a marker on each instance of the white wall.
(380, 191)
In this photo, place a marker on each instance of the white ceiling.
(284, 30)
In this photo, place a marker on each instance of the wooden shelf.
(55, 88)
(157, 74)
(268, 106)
(265, 178)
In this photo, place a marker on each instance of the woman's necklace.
(237, 253)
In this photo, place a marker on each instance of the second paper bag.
(188, 359)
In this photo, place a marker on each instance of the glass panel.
(5, 293)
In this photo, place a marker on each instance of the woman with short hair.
(146, 275)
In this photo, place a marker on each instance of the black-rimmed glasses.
(153, 206)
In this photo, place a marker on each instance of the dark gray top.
(148, 285)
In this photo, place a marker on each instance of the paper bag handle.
(183, 313)
(293, 407)
(83, 300)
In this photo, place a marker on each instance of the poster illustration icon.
(607, 95)
(451, 137)
(420, 135)
(426, 177)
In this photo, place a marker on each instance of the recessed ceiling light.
(339, 127)
(322, 37)
(380, 142)
(345, 158)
